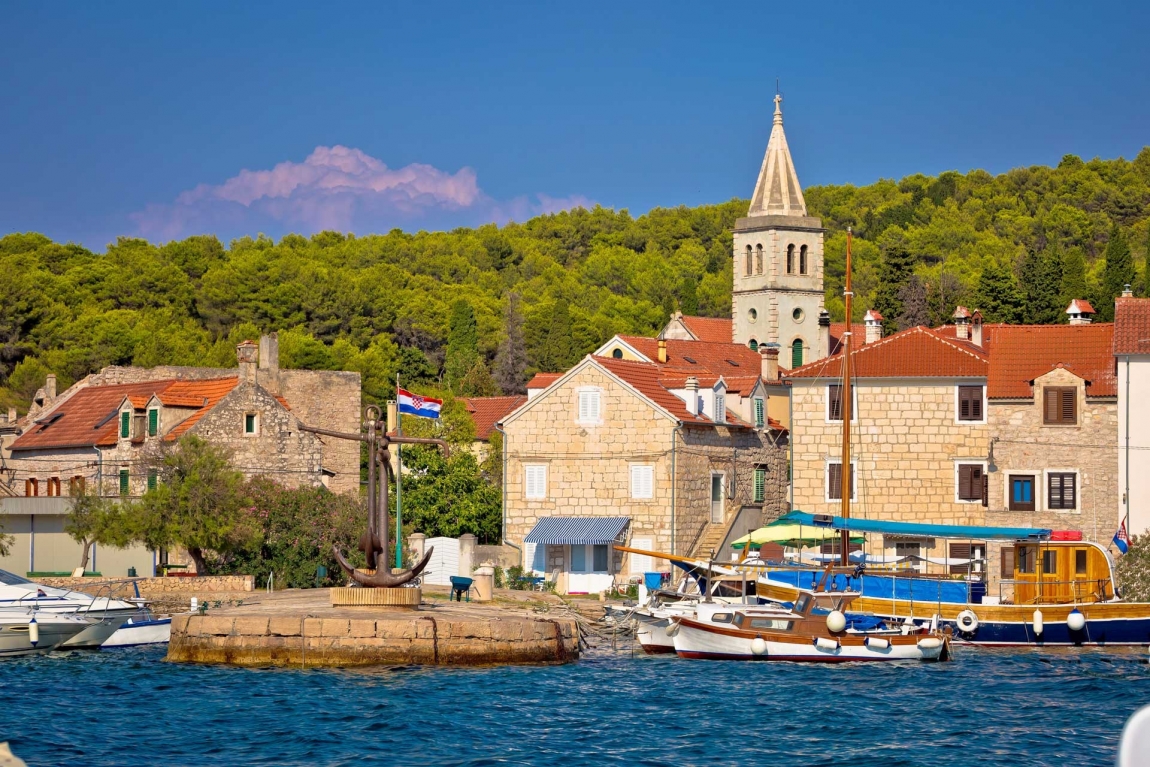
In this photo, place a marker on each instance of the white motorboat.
(141, 629)
(29, 632)
(106, 615)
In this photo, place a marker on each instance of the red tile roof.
(1080, 306)
(719, 358)
(913, 353)
(543, 380)
(1025, 352)
(716, 330)
(488, 411)
(88, 417)
(171, 400)
(1132, 326)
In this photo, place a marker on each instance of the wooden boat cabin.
(1059, 572)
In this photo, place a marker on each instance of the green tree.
(1132, 570)
(688, 296)
(462, 344)
(450, 496)
(478, 382)
(1144, 289)
(894, 273)
(915, 310)
(1118, 273)
(558, 351)
(511, 359)
(1074, 284)
(197, 504)
(97, 519)
(1040, 278)
(998, 295)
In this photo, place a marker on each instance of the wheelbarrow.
(460, 588)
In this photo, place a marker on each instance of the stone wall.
(153, 587)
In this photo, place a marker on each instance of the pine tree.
(998, 296)
(914, 306)
(688, 296)
(559, 348)
(894, 273)
(1144, 290)
(1073, 279)
(462, 344)
(1118, 273)
(511, 359)
(943, 297)
(478, 382)
(1040, 275)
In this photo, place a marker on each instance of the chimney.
(1127, 292)
(49, 388)
(962, 323)
(270, 353)
(693, 395)
(11, 415)
(1080, 312)
(770, 361)
(824, 349)
(663, 352)
(873, 321)
(976, 328)
(246, 357)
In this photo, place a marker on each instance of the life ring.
(967, 622)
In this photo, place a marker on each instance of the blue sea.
(129, 707)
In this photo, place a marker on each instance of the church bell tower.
(778, 275)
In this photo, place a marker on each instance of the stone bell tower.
(778, 274)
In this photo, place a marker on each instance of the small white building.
(1132, 353)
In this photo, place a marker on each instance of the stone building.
(651, 453)
(107, 430)
(1132, 355)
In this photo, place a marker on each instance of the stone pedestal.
(466, 555)
(403, 598)
(417, 543)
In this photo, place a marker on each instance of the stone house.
(628, 450)
(1132, 355)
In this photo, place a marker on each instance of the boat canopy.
(914, 529)
(788, 534)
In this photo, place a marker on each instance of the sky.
(165, 120)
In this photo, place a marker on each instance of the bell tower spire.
(777, 192)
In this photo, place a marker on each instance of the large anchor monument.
(384, 586)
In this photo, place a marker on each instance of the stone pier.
(300, 628)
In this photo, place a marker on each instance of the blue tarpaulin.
(960, 532)
(884, 586)
(557, 531)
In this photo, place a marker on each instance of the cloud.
(338, 188)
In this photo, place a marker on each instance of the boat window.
(770, 623)
(721, 618)
(1080, 561)
(801, 605)
(1026, 559)
(1049, 561)
(11, 579)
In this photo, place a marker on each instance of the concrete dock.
(299, 627)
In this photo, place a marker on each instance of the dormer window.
(720, 407)
(153, 422)
(1060, 406)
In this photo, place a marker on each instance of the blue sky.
(140, 119)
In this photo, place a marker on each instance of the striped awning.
(556, 531)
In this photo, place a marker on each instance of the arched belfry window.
(758, 259)
(797, 353)
(749, 264)
(803, 260)
(754, 345)
(790, 259)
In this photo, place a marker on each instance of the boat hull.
(134, 634)
(14, 638)
(95, 635)
(652, 634)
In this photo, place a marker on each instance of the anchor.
(374, 542)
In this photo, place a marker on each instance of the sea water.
(129, 707)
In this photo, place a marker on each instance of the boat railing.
(1053, 592)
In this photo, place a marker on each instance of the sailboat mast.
(847, 399)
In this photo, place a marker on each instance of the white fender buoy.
(1036, 622)
(1075, 621)
(836, 622)
(875, 643)
(672, 629)
(967, 622)
(826, 644)
(759, 646)
(929, 643)
(33, 631)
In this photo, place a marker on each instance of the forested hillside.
(477, 310)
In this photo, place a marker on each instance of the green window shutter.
(797, 353)
(151, 480)
(760, 421)
(125, 424)
(153, 422)
(760, 485)
(123, 481)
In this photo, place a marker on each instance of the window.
(1060, 405)
(911, 549)
(835, 481)
(749, 264)
(1006, 562)
(595, 563)
(1026, 560)
(722, 618)
(1080, 561)
(153, 422)
(754, 345)
(152, 479)
(1021, 489)
(803, 260)
(797, 353)
(758, 259)
(797, 315)
(970, 479)
(578, 558)
(976, 553)
(588, 406)
(125, 425)
(752, 314)
(617, 354)
(835, 403)
(31, 487)
(760, 412)
(1060, 490)
(251, 423)
(535, 481)
(54, 487)
(76, 486)
(970, 403)
(599, 558)
(720, 407)
(760, 485)
(1049, 561)
(790, 259)
(642, 482)
(124, 482)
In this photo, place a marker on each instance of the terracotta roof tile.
(543, 380)
(1022, 353)
(1080, 306)
(283, 401)
(719, 358)
(212, 391)
(139, 401)
(1132, 326)
(913, 353)
(488, 411)
(717, 330)
(172, 400)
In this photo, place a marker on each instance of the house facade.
(628, 444)
(1132, 358)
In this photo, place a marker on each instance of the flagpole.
(398, 482)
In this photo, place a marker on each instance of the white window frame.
(958, 403)
(255, 423)
(1046, 490)
(719, 398)
(589, 559)
(541, 468)
(1039, 494)
(637, 488)
(827, 479)
(827, 403)
(968, 462)
(598, 399)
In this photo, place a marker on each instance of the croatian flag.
(413, 404)
(1121, 540)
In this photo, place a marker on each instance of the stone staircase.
(712, 535)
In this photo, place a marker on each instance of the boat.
(30, 632)
(653, 619)
(143, 628)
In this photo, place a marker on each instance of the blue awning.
(557, 531)
(915, 529)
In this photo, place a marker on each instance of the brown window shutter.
(835, 481)
(964, 481)
(1007, 563)
(985, 490)
(963, 405)
(836, 402)
(1069, 403)
(1050, 405)
(976, 404)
